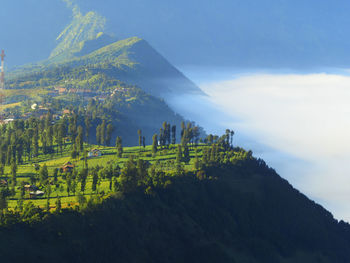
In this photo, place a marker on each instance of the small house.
(60, 90)
(68, 167)
(30, 188)
(3, 182)
(94, 153)
(35, 194)
(66, 112)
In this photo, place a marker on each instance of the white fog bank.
(300, 124)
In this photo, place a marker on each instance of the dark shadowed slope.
(240, 213)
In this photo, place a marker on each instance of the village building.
(68, 167)
(7, 121)
(94, 153)
(60, 90)
(66, 112)
(3, 182)
(30, 188)
(35, 194)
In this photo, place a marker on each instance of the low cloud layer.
(299, 124)
(304, 119)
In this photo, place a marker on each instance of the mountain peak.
(83, 28)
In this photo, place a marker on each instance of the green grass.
(165, 157)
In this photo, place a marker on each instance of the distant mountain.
(82, 36)
(93, 62)
(134, 61)
(82, 29)
(130, 60)
(83, 43)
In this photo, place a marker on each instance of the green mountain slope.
(82, 28)
(83, 43)
(125, 106)
(134, 61)
(130, 60)
(239, 213)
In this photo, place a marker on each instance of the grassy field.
(165, 158)
(8, 106)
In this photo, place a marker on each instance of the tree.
(144, 141)
(179, 154)
(68, 184)
(196, 162)
(44, 142)
(110, 130)
(141, 171)
(128, 177)
(232, 133)
(119, 146)
(58, 205)
(186, 155)
(43, 174)
(14, 172)
(179, 167)
(103, 132)
(55, 174)
(36, 143)
(83, 176)
(48, 205)
(81, 200)
(155, 144)
(168, 133)
(72, 128)
(48, 190)
(182, 129)
(98, 134)
(74, 153)
(139, 132)
(196, 134)
(161, 137)
(85, 156)
(74, 185)
(49, 135)
(227, 138)
(173, 134)
(87, 128)
(210, 139)
(4, 194)
(61, 135)
(79, 140)
(94, 180)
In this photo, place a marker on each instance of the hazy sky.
(244, 33)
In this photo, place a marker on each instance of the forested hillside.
(132, 61)
(96, 167)
(230, 207)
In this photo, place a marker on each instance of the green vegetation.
(72, 190)
(131, 61)
(221, 205)
(50, 160)
(82, 29)
(95, 95)
(184, 198)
